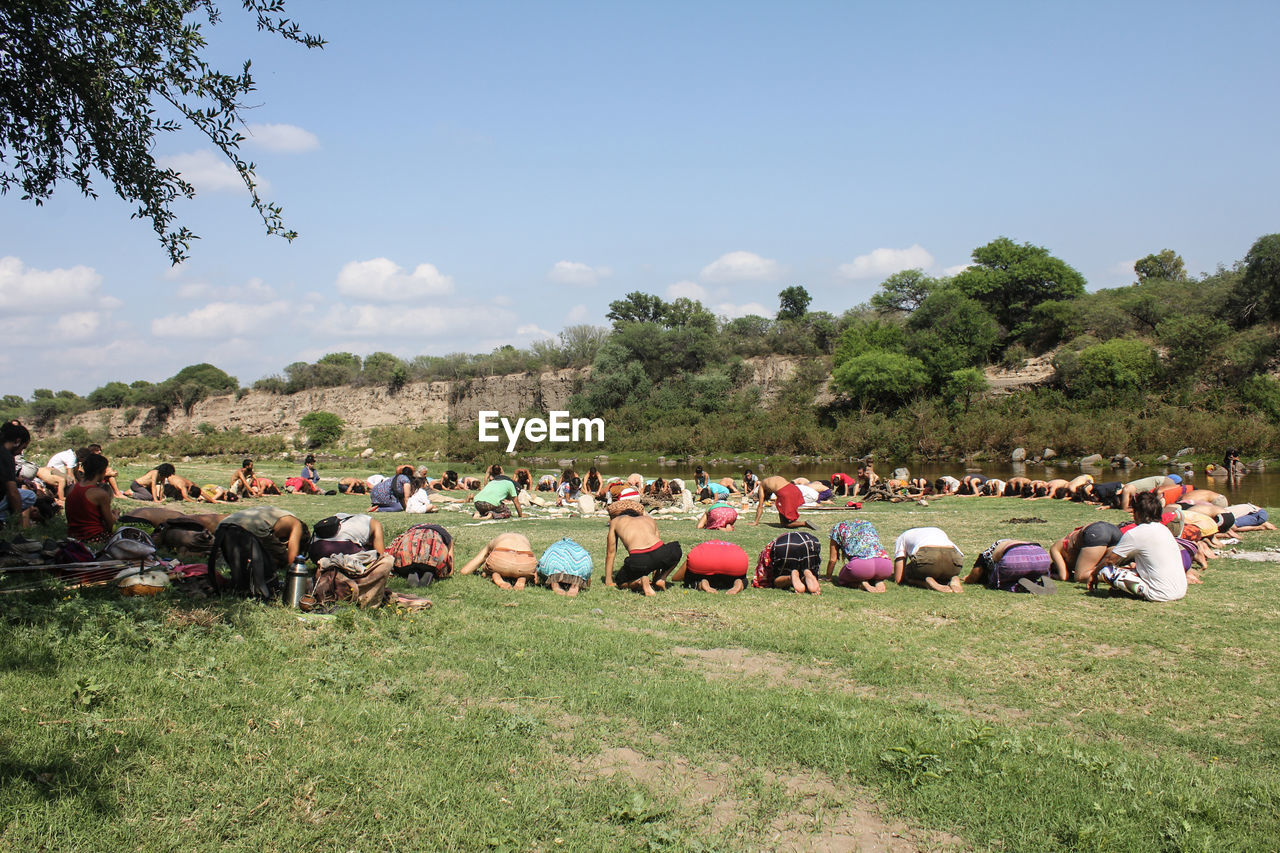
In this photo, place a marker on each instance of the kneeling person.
(508, 560)
(926, 557)
(649, 559)
(713, 566)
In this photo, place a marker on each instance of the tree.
(793, 303)
(877, 378)
(1165, 264)
(867, 335)
(1257, 297)
(1010, 280)
(903, 292)
(637, 307)
(582, 342)
(207, 376)
(949, 332)
(321, 428)
(87, 86)
(1114, 366)
(964, 384)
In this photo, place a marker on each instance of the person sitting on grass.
(719, 516)
(508, 560)
(59, 474)
(649, 560)
(150, 486)
(346, 533)
(713, 566)
(1146, 563)
(243, 483)
(179, 488)
(926, 557)
(90, 518)
(792, 561)
(1249, 517)
(1154, 483)
(109, 478)
(488, 502)
(565, 568)
(787, 498)
(392, 494)
(215, 494)
(866, 563)
(1076, 555)
(15, 502)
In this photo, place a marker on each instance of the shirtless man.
(648, 561)
(1075, 486)
(1156, 483)
(787, 498)
(183, 489)
(508, 560)
(109, 478)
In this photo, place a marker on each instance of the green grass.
(526, 721)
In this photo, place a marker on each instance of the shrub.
(321, 428)
(206, 428)
(1117, 365)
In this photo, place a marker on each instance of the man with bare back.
(508, 560)
(786, 497)
(649, 559)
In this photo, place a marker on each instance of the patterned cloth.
(857, 540)
(565, 561)
(1126, 580)
(422, 546)
(795, 551)
(721, 516)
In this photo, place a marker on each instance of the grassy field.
(526, 721)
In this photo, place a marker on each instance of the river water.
(1262, 488)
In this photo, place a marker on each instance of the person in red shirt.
(90, 517)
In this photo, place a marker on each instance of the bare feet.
(519, 583)
(705, 586)
(1192, 577)
(738, 586)
(876, 587)
(572, 592)
(660, 585)
(811, 584)
(935, 586)
(500, 581)
(796, 583)
(955, 585)
(647, 588)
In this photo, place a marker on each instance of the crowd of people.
(1174, 529)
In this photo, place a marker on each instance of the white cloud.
(253, 289)
(956, 270)
(77, 325)
(884, 262)
(222, 320)
(575, 272)
(1123, 268)
(687, 289)
(732, 311)
(741, 266)
(175, 272)
(382, 280)
(533, 331)
(287, 138)
(207, 171)
(415, 321)
(24, 290)
(577, 314)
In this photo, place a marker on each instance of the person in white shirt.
(60, 474)
(926, 557)
(1155, 572)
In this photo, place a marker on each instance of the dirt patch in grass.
(717, 664)
(825, 816)
(200, 617)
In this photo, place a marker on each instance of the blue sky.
(473, 174)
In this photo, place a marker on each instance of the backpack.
(129, 543)
(1019, 561)
(252, 569)
(565, 557)
(72, 551)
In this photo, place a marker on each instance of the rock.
(565, 463)
(1019, 455)
(1162, 458)
(901, 474)
(367, 453)
(186, 459)
(1048, 453)
(1186, 451)
(661, 459)
(1092, 459)
(398, 455)
(1257, 465)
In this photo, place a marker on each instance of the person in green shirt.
(488, 501)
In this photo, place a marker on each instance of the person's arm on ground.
(478, 560)
(610, 554)
(759, 505)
